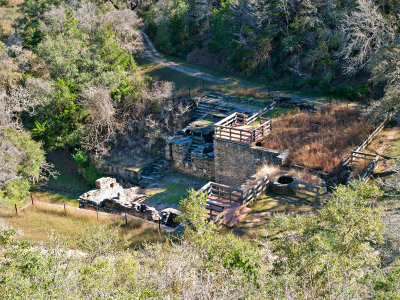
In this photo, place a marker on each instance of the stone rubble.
(111, 196)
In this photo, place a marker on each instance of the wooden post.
(126, 219)
(16, 209)
(97, 212)
(32, 199)
(64, 207)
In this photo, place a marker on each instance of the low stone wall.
(120, 172)
(237, 99)
(235, 163)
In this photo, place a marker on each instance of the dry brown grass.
(306, 177)
(12, 3)
(36, 223)
(249, 92)
(318, 140)
(360, 167)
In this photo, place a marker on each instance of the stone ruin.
(112, 197)
(195, 150)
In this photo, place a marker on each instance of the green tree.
(385, 70)
(21, 160)
(331, 252)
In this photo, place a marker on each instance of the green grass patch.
(67, 182)
(254, 226)
(55, 198)
(278, 111)
(175, 187)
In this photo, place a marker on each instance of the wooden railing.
(347, 160)
(223, 191)
(254, 117)
(356, 157)
(370, 169)
(227, 129)
(309, 189)
(216, 191)
(256, 190)
(216, 211)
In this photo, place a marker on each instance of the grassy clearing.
(278, 111)
(37, 222)
(255, 224)
(69, 180)
(318, 140)
(175, 187)
(237, 80)
(182, 82)
(55, 198)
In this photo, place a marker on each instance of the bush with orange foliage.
(318, 140)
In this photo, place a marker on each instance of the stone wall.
(202, 165)
(196, 163)
(235, 163)
(120, 172)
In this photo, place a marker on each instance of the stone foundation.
(235, 163)
(112, 197)
(198, 162)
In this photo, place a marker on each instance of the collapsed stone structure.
(112, 197)
(197, 151)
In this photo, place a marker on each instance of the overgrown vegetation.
(330, 253)
(318, 140)
(323, 45)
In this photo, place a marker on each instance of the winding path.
(155, 56)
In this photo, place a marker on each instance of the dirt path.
(155, 56)
(388, 136)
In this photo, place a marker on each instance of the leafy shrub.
(91, 175)
(81, 158)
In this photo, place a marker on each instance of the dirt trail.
(388, 136)
(155, 56)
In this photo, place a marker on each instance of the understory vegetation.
(332, 253)
(329, 46)
(319, 140)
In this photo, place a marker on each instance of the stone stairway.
(152, 172)
(215, 104)
(203, 109)
(196, 142)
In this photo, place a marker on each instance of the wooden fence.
(347, 160)
(356, 157)
(370, 169)
(309, 189)
(357, 154)
(259, 114)
(216, 191)
(256, 190)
